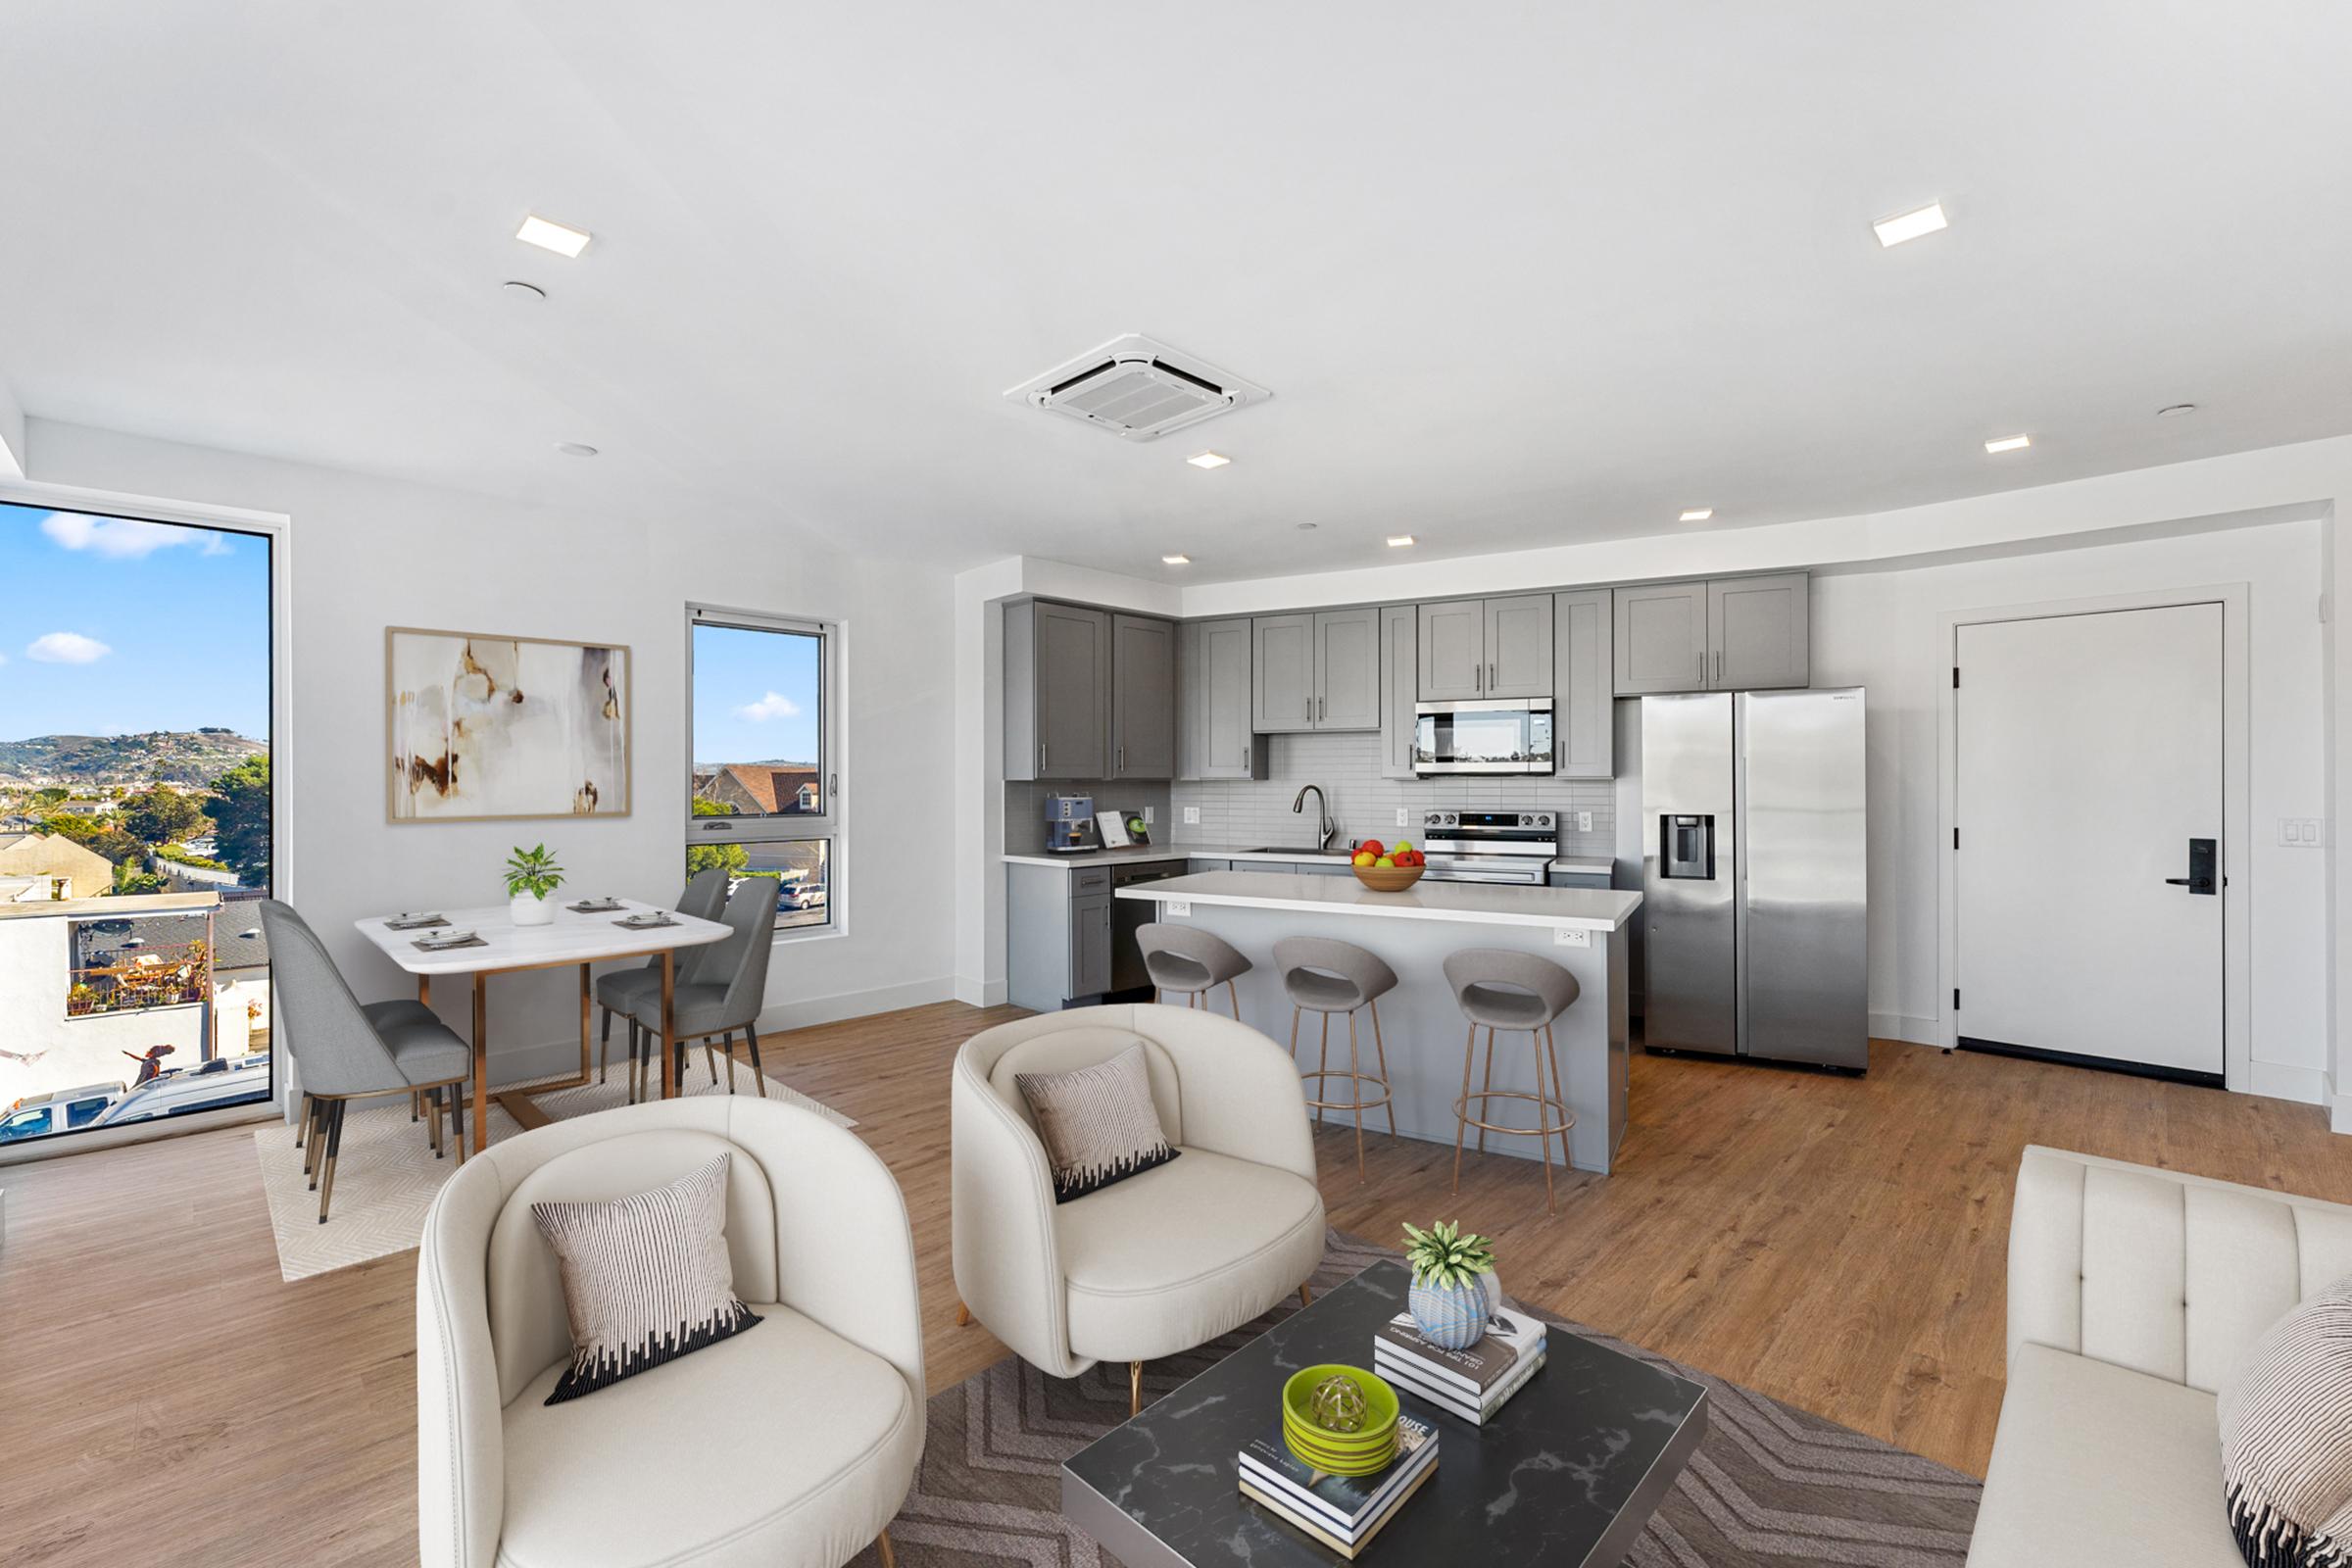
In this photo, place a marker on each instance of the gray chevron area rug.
(1770, 1487)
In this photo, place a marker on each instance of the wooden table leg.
(669, 1021)
(482, 1062)
(584, 1008)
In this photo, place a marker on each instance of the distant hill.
(159, 757)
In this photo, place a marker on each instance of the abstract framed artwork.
(479, 727)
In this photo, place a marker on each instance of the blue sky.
(754, 696)
(109, 625)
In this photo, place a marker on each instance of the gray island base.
(1583, 930)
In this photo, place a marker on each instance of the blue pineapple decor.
(1454, 1289)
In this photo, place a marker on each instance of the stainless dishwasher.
(1127, 971)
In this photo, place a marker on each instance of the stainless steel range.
(1489, 846)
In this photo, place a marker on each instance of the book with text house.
(1349, 1545)
(1347, 1506)
(1511, 1336)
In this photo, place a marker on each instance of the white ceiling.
(1516, 276)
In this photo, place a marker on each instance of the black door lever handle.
(2176, 881)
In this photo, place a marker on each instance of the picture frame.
(484, 726)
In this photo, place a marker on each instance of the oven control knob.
(1525, 820)
(1452, 820)
(1543, 819)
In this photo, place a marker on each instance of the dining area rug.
(1770, 1487)
(386, 1175)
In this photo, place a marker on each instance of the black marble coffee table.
(1566, 1474)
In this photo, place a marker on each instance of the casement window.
(763, 699)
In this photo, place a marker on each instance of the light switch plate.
(1584, 821)
(1192, 817)
(1571, 936)
(1177, 908)
(1401, 821)
(1146, 817)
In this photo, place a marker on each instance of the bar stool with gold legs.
(1323, 976)
(1520, 993)
(1187, 961)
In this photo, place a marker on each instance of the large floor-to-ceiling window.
(136, 820)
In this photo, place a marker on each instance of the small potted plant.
(1454, 1289)
(531, 875)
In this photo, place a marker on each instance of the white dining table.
(572, 939)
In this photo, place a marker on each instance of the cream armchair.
(793, 1443)
(2132, 1291)
(1162, 1261)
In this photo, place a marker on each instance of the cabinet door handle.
(1041, 757)
(1494, 676)
(1702, 667)
(1718, 666)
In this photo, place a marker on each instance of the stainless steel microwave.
(1486, 737)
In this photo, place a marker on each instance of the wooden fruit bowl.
(1386, 879)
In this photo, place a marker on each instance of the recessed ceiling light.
(2009, 443)
(1697, 515)
(575, 449)
(518, 289)
(1892, 231)
(2174, 410)
(550, 236)
(1399, 541)
(1175, 560)
(1208, 460)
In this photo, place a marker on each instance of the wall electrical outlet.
(1192, 817)
(1401, 821)
(1177, 908)
(1571, 936)
(1584, 821)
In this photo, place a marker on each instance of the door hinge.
(1955, 838)
(1955, 677)
(1955, 998)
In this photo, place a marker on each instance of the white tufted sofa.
(2132, 1291)
(1162, 1261)
(790, 1446)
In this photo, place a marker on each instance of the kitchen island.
(1580, 929)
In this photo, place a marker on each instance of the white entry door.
(2089, 757)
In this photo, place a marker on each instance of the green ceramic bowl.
(1341, 1453)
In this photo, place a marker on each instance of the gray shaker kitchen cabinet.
(1474, 648)
(1214, 737)
(1400, 679)
(1317, 672)
(1759, 632)
(1584, 688)
(1058, 663)
(1143, 698)
(1283, 674)
(1348, 669)
(1089, 945)
(1058, 946)
(1661, 638)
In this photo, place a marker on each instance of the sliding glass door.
(136, 663)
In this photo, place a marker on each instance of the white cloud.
(776, 705)
(127, 538)
(66, 648)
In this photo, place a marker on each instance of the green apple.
(1400, 845)
(1385, 863)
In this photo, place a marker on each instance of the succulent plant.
(1442, 1256)
(533, 871)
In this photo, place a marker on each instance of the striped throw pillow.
(1098, 1123)
(646, 1278)
(2285, 1416)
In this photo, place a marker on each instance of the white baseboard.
(1900, 1027)
(2279, 1081)
(809, 1010)
(980, 993)
(2340, 1115)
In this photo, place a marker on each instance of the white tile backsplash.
(1347, 766)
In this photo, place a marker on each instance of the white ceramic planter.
(525, 909)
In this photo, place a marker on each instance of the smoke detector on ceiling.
(1139, 388)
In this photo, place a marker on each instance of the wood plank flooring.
(1838, 1243)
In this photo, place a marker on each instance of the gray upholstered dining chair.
(618, 992)
(346, 1050)
(729, 984)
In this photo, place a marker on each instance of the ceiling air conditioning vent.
(1137, 388)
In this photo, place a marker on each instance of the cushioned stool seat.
(783, 1446)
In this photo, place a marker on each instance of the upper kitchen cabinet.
(1584, 691)
(1731, 635)
(1143, 698)
(1213, 738)
(1759, 632)
(1399, 676)
(1485, 648)
(1317, 672)
(1661, 635)
(1088, 695)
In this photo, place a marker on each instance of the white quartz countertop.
(1469, 902)
(1175, 852)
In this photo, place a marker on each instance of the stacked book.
(1472, 1384)
(1343, 1512)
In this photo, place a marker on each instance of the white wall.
(369, 552)
(1881, 629)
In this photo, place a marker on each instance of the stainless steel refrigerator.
(1753, 861)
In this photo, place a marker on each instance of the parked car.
(57, 1111)
(177, 1092)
